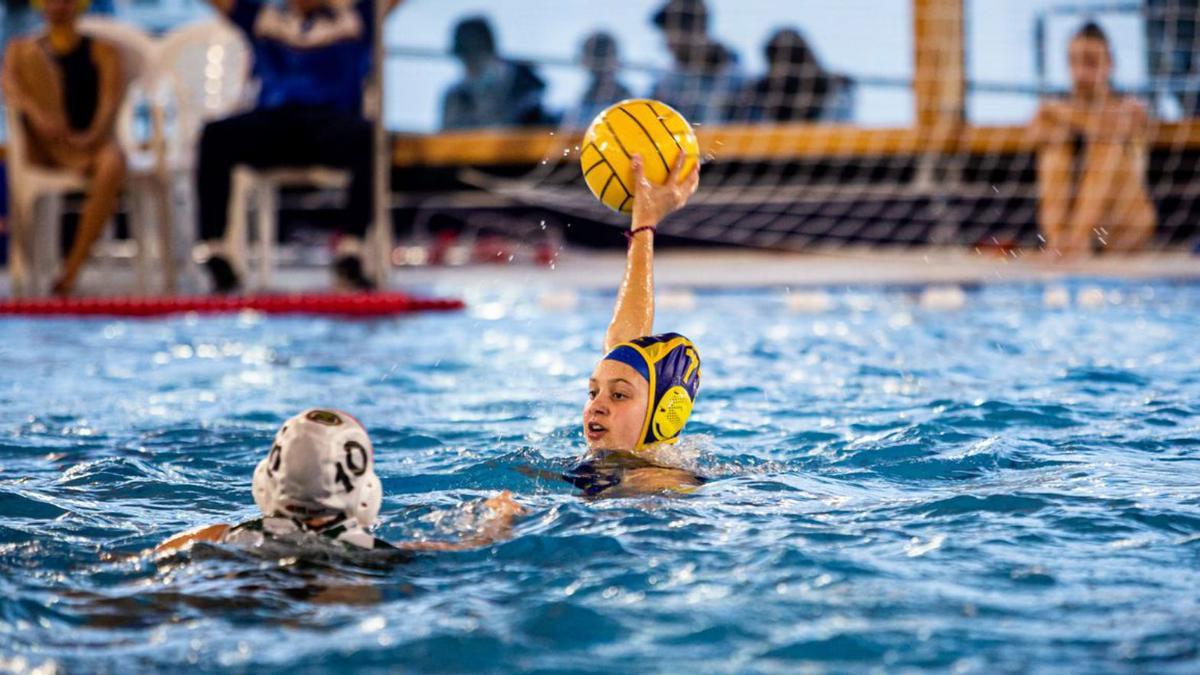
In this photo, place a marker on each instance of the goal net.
(902, 123)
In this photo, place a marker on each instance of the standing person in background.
(705, 77)
(312, 58)
(796, 88)
(599, 57)
(494, 91)
(67, 88)
(1092, 158)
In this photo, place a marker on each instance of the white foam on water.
(943, 298)
(1056, 297)
(558, 301)
(676, 300)
(1091, 297)
(809, 302)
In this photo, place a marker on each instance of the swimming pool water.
(1007, 487)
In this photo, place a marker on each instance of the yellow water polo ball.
(637, 126)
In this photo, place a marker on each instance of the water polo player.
(641, 393)
(318, 480)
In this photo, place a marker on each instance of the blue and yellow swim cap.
(671, 364)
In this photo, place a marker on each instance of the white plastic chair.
(36, 193)
(207, 66)
(260, 188)
(145, 181)
(35, 205)
(202, 70)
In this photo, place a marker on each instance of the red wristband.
(630, 234)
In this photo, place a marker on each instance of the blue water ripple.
(1005, 488)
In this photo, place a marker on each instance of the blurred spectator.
(494, 91)
(599, 57)
(311, 58)
(1092, 158)
(67, 88)
(796, 87)
(1173, 46)
(705, 77)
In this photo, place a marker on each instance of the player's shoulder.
(1134, 105)
(21, 45)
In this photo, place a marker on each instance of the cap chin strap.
(372, 499)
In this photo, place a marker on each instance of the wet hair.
(473, 34)
(1092, 31)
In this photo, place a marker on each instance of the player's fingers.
(635, 164)
(677, 175)
(693, 180)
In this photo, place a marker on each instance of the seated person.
(1092, 158)
(705, 78)
(311, 57)
(795, 89)
(494, 91)
(599, 57)
(67, 88)
(641, 393)
(318, 480)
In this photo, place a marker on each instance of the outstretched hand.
(504, 506)
(653, 202)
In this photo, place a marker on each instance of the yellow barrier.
(743, 142)
(746, 142)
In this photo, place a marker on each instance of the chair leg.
(182, 201)
(160, 194)
(380, 244)
(139, 228)
(47, 242)
(236, 234)
(20, 263)
(267, 213)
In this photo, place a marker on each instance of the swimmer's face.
(1090, 64)
(616, 407)
(60, 12)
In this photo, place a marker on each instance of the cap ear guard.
(321, 463)
(671, 414)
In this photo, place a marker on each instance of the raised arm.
(633, 315)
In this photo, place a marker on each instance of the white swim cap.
(320, 464)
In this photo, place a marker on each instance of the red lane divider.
(341, 304)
